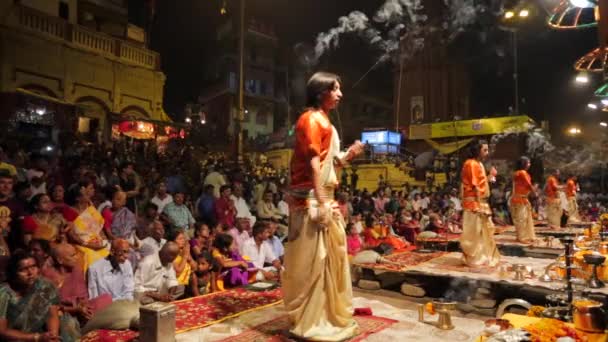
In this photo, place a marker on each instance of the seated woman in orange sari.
(87, 232)
(44, 223)
(377, 233)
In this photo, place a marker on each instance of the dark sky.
(184, 35)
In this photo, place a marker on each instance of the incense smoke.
(401, 20)
(580, 160)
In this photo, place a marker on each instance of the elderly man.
(67, 275)
(260, 252)
(268, 211)
(178, 214)
(153, 243)
(242, 209)
(155, 278)
(113, 275)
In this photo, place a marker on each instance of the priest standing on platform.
(477, 239)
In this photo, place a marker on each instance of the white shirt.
(217, 180)
(103, 205)
(102, 280)
(242, 209)
(161, 203)
(358, 227)
(150, 246)
(258, 256)
(151, 275)
(457, 204)
(283, 207)
(424, 203)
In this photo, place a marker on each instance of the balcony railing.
(138, 55)
(41, 22)
(94, 41)
(82, 38)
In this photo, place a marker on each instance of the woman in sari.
(183, 264)
(58, 197)
(316, 283)
(44, 223)
(119, 221)
(87, 231)
(29, 306)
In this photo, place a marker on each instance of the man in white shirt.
(112, 275)
(454, 199)
(424, 201)
(216, 179)
(268, 211)
(240, 233)
(282, 205)
(153, 243)
(242, 209)
(260, 253)
(162, 198)
(155, 278)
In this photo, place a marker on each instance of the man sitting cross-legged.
(113, 274)
(155, 278)
(260, 252)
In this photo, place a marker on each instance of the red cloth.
(107, 218)
(69, 214)
(225, 211)
(29, 225)
(353, 242)
(363, 312)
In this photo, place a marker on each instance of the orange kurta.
(474, 184)
(477, 239)
(522, 185)
(313, 135)
(551, 189)
(570, 188)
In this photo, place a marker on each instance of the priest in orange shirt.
(553, 205)
(316, 282)
(520, 208)
(571, 190)
(477, 239)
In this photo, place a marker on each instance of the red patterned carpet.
(277, 330)
(400, 262)
(198, 312)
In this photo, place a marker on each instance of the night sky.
(183, 32)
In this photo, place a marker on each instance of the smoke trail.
(579, 160)
(400, 20)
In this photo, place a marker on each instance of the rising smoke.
(579, 160)
(402, 20)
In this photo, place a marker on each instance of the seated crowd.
(95, 238)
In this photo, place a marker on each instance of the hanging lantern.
(567, 16)
(594, 61)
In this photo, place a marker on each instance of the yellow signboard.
(467, 128)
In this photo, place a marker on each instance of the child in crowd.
(230, 268)
(353, 240)
(201, 277)
(200, 243)
(435, 224)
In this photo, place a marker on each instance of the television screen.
(383, 149)
(374, 137)
(394, 138)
